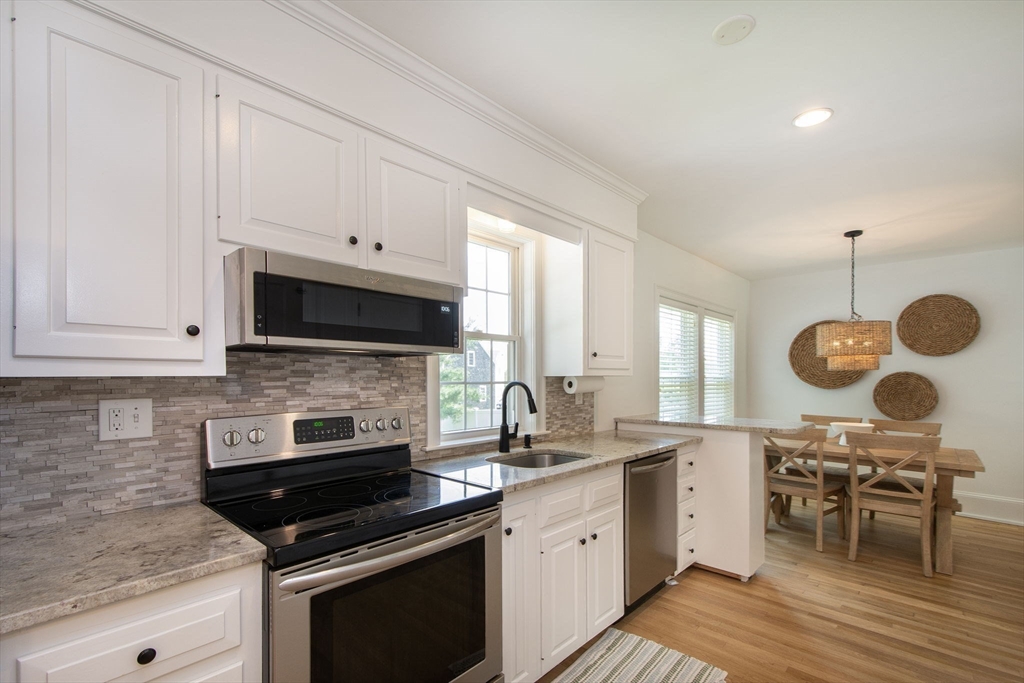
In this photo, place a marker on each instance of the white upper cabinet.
(416, 218)
(610, 302)
(287, 175)
(109, 193)
(588, 305)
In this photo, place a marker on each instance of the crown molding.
(342, 27)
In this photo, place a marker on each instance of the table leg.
(944, 525)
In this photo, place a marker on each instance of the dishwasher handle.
(652, 468)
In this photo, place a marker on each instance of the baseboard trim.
(992, 508)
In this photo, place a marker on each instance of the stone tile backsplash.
(54, 468)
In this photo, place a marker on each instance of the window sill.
(473, 441)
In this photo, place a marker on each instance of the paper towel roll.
(582, 385)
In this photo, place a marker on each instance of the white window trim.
(699, 306)
(525, 278)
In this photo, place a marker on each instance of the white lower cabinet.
(686, 509)
(209, 629)
(562, 570)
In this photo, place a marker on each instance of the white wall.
(981, 389)
(659, 264)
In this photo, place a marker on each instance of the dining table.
(949, 464)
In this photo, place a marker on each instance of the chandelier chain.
(854, 316)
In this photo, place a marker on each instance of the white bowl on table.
(841, 428)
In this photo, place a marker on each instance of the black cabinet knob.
(691, 550)
(691, 515)
(508, 531)
(583, 541)
(192, 330)
(353, 240)
(378, 246)
(593, 536)
(594, 354)
(690, 488)
(690, 463)
(146, 656)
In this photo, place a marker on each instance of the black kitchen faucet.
(505, 437)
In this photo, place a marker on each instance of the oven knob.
(396, 422)
(232, 438)
(382, 424)
(257, 435)
(364, 426)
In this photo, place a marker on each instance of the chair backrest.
(781, 463)
(891, 454)
(905, 427)
(827, 420)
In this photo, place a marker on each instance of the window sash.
(696, 360)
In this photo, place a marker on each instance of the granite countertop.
(732, 424)
(603, 448)
(53, 571)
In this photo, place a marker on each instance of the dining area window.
(696, 374)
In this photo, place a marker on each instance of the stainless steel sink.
(536, 460)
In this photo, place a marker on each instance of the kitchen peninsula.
(729, 483)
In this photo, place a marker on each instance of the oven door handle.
(343, 575)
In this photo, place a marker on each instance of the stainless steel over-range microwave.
(277, 301)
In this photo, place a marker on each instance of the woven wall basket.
(938, 325)
(810, 368)
(905, 396)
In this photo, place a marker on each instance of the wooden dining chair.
(787, 475)
(832, 472)
(900, 452)
(900, 428)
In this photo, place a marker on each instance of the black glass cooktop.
(306, 521)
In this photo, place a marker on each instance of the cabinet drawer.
(604, 491)
(687, 516)
(560, 505)
(686, 464)
(686, 488)
(687, 549)
(179, 637)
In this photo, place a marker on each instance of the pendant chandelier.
(857, 344)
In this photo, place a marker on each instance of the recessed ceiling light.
(813, 117)
(733, 29)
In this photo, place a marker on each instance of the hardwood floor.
(809, 617)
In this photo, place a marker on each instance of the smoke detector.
(734, 29)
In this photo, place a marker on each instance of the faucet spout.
(504, 437)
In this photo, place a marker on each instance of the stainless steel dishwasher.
(650, 523)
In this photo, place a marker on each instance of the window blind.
(678, 374)
(718, 373)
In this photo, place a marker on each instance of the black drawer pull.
(508, 531)
(593, 536)
(691, 550)
(583, 541)
(192, 330)
(378, 246)
(690, 488)
(353, 240)
(146, 656)
(690, 464)
(691, 515)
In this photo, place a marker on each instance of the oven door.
(421, 607)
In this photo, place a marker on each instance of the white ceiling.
(925, 152)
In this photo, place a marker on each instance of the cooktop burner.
(304, 499)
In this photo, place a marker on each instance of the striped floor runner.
(624, 658)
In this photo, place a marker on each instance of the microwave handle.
(343, 575)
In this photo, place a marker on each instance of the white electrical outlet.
(126, 419)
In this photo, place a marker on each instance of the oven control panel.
(253, 439)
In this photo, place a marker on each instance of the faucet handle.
(515, 432)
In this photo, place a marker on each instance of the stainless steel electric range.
(375, 571)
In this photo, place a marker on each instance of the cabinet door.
(563, 593)
(109, 177)
(413, 214)
(520, 580)
(610, 302)
(605, 588)
(287, 175)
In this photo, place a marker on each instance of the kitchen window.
(696, 367)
